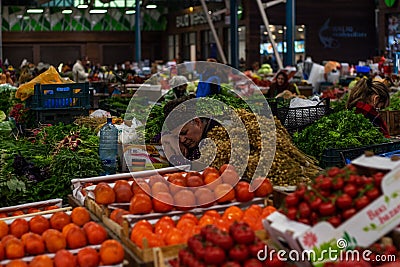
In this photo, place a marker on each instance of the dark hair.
(186, 111)
(364, 89)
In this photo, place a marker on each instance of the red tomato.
(242, 192)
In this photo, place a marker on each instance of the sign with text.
(194, 19)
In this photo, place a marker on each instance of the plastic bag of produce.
(50, 76)
(303, 112)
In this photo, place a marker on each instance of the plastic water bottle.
(108, 147)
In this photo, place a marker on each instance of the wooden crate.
(394, 122)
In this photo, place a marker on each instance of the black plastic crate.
(56, 116)
(60, 96)
(340, 157)
(296, 119)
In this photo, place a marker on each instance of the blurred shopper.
(368, 97)
(178, 85)
(79, 72)
(280, 85)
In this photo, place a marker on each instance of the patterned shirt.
(373, 115)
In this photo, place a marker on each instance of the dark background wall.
(356, 17)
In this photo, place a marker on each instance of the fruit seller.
(181, 143)
(178, 89)
(368, 97)
(281, 84)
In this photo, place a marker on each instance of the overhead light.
(66, 11)
(280, 31)
(26, 17)
(34, 10)
(130, 12)
(19, 16)
(300, 29)
(151, 6)
(83, 6)
(98, 11)
(265, 33)
(239, 12)
(191, 9)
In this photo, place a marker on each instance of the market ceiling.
(105, 3)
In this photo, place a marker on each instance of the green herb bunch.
(344, 129)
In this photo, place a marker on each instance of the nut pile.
(289, 166)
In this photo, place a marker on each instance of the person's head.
(373, 92)
(184, 121)
(282, 78)
(179, 83)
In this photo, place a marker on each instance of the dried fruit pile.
(289, 167)
(334, 196)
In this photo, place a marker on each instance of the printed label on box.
(363, 229)
(140, 157)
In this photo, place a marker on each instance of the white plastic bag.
(99, 113)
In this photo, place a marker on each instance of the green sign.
(390, 3)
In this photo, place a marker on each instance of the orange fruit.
(88, 257)
(6, 238)
(224, 192)
(117, 215)
(95, 233)
(190, 216)
(53, 207)
(17, 213)
(111, 252)
(230, 177)
(140, 187)
(155, 240)
(59, 219)
(1, 251)
(140, 204)
(76, 238)
(3, 215)
(165, 220)
(33, 243)
(233, 213)
(68, 227)
(64, 258)
(159, 187)
(174, 236)
(162, 202)
(41, 261)
(19, 227)
(14, 249)
(206, 220)
(204, 197)
(54, 240)
(104, 194)
(3, 229)
(212, 180)
(33, 210)
(123, 192)
(17, 263)
(185, 199)
(80, 216)
(39, 224)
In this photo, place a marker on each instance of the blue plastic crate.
(60, 96)
(390, 154)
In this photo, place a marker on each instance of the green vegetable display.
(344, 129)
(41, 167)
(394, 102)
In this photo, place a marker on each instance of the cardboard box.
(363, 229)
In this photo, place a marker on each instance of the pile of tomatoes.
(167, 232)
(334, 196)
(214, 247)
